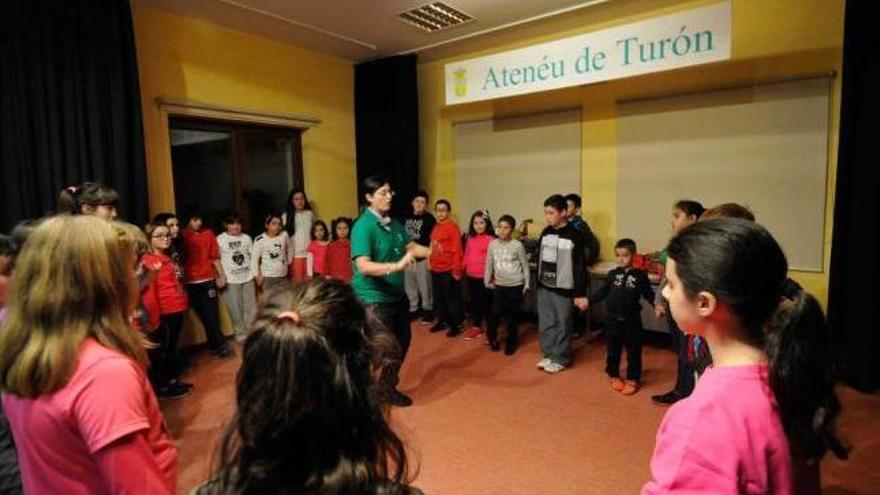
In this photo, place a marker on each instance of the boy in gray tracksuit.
(562, 281)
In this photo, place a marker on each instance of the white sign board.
(692, 37)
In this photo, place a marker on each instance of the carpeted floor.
(486, 423)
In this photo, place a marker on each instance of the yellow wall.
(181, 58)
(771, 41)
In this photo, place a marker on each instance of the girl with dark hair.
(338, 262)
(89, 198)
(297, 220)
(763, 416)
(317, 251)
(311, 421)
(476, 247)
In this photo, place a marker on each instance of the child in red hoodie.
(446, 270)
(165, 301)
(337, 265)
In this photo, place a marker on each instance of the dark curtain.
(386, 110)
(854, 292)
(69, 105)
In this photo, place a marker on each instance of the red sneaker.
(472, 333)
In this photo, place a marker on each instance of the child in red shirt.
(204, 275)
(165, 300)
(337, 265)
(317, 250)
(446, 271)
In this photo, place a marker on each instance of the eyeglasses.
(385, 194)
(164, 236)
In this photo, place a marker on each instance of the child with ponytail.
(761, 418)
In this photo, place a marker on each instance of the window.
(220, 168)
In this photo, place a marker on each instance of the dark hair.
(231, 219)
(73, 198)
(690, 207)
(372, 184)
(574, 198)
(5, 245)
(20, 234)
(316, 225)
(557, 202)
(740, 263)
(334, 223)
(290, 212)
(162, 218)
(309, 418)
(509, 220)
(270, 216)
(626, 243)
(193, 212)
(728, 210)
(484, 214)
(442, 201)
(421, 193)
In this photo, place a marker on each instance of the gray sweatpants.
(240, 300)
(555, 324)
(418, 285)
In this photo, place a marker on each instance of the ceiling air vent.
(434, 17)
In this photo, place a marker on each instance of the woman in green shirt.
(381, 250)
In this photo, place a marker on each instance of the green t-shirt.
(382, 244)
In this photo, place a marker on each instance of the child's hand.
(659, 311)
(581, 303)
(221, 281)
(259, 280)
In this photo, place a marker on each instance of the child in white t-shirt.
(239, 294)
(269, 260)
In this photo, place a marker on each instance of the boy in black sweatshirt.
(562, 281)
(623, 323)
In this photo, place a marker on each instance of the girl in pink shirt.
(762, 417)
(480, 234)
(82, 413)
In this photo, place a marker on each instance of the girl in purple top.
(762, 416)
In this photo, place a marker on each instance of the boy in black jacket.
(562, 282)
(623, 323)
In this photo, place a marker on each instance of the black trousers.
(684, 380)
(481, 299)
(447, 299)
(203, 299)
(395, 317)
(164, 360)
(506, 304)
(620, 333)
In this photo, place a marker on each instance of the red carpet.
(486, 423)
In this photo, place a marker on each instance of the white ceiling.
(359, 30)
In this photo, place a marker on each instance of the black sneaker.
(666, 399)
(176, 390)
(427, 318)
(455, 331)
(399, 399)
(438, 327)
(224, 352)
(509, 350)
(494, 345)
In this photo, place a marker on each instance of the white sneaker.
(553, 368)
(542, 363)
